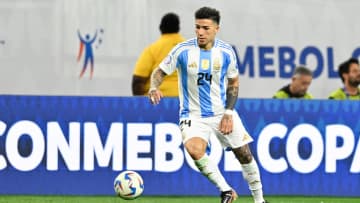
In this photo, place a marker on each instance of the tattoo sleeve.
(232, 92)
(157, 76)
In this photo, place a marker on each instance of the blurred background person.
(154, 54)
(298, 88)
(349, 72)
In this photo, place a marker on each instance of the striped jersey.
(202, 76)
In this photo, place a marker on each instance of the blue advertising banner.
(77, 145)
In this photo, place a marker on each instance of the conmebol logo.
(82, 149)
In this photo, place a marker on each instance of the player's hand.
(226, 124)
(155, 95)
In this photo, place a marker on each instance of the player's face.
(354, 75)
(206, 30)
(301, 84)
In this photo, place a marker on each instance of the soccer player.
(208, 91)
(298, 88)
(349, 72)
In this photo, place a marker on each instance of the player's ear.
(217, 28)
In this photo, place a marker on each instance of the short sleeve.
(232, 69)
(168, 65)
(144, 64)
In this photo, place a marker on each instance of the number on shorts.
(185, 122)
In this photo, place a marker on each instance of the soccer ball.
(128, 185)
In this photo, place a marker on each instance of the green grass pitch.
(163, 199)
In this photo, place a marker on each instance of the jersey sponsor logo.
(192, 65)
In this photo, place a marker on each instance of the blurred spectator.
(154, 54)
(300, 82)
(349, 72)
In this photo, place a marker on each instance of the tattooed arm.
(157, 77)
(232, 91)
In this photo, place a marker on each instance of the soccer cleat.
(228, 196)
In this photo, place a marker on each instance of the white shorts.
(205, 127)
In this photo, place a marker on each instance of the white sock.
(212, 172)
(252, 175)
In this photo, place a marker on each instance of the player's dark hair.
(302, 70)
(208, 13)
(170, 23)
(345, 67)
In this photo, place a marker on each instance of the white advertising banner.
(89, 47)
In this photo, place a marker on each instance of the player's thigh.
(239, 136)
(197, 127)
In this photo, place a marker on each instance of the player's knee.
(195, 150)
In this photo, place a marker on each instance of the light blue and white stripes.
(202, 76)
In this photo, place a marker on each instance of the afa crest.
(205, 64)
